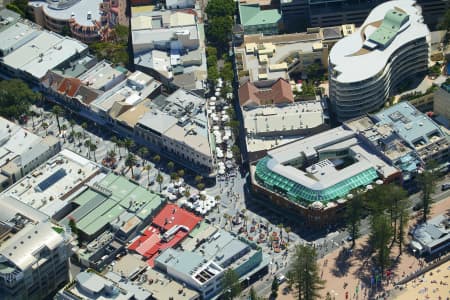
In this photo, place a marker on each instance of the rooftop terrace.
(417, 129)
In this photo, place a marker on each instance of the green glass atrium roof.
(305, 195)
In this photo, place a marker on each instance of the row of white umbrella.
(200, 206)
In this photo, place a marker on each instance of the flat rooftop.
(45, 52)
(20, 250)
(332, 176)
(171, 219)
(17, 34)
(126, 94)
(19, 145)
(255, 144)
(47, 187)
(158, 284)
(113, 200)
(180, 116)
(144, 36)
(64, 10)
(416, 128)
(434, 232)
(223, 248)
(382, 136)
(190, 264)
(92, 285)
(295, 116)
(100, 75)
(269, 60)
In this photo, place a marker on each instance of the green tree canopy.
(219, 30)
(381, 235)
(116, 52)
(227, 72)
(231, 287)
(15, 98)
(427, 183)
(353, 216)
(217, 8)
(303, 275)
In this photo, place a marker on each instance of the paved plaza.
(348, 275)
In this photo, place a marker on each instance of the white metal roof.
(360, 67)
(21, 248)
(78, 11)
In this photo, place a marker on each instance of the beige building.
(21, 151)
(178, 127)
(272, 57)
(34, 255)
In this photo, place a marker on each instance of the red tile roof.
(150, 244)
(69, 86)
(280, 92)
(172, 215)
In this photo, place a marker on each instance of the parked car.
(281, 278)
(445, 186)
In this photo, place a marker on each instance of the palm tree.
(87, 144)
(57, 112)
(203, 199)
(173, 176)
(226, 217)
(78, 135)
(120, 144)
(143, 152)
(72, 124)
(130, 162)
(129, 144)
(93, 148)
(84, 125)
(198, 178)
(111, 156)
(180, 173)
(156, 158)
(288, 230)
(170, 165)
(160, 179)
(148, 168)
(45, 126)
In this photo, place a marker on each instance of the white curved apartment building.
(366, 67)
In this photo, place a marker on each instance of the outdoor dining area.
(217, 110)
(201, 203)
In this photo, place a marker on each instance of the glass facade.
(305, 195)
